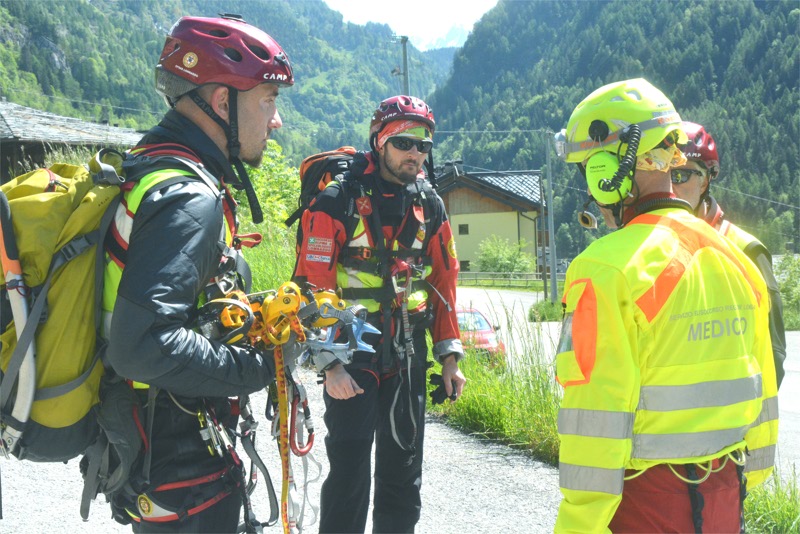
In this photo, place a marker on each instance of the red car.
(479, 334)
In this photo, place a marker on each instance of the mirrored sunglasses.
(681, 176)
(405, 143)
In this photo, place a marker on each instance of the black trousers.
(352, 425)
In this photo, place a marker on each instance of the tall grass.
(272, 262)
(518, 404)
(774, 507)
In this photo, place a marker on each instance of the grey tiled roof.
(20, 123)
(524, 185)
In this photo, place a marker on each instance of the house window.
(464, 265)
(463, 229)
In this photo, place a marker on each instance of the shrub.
(499, 255)
(544, 310)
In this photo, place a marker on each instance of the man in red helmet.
(692, 183)
(173, 246)
(381, 236)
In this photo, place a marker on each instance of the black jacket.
(174, 251)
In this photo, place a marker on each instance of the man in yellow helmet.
(665, 358)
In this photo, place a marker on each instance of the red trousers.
(658, 501)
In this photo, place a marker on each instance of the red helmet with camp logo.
(401, 107)
(700, 147)
(224, 50)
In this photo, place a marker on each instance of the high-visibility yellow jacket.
(665, 358)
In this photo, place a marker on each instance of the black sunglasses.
(681, 176)
(404, 143)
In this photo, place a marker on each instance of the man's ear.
(220, 102)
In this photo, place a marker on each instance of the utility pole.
(550, 223)
(542, 240)
(404, 42)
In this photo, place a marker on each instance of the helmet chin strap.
(234, 146)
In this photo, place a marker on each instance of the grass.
(774, 507)
(517, 404)
(273, 260)
(544, 310)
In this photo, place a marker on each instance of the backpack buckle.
(106, 167)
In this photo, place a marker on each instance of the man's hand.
(452, 374)
(339, 384)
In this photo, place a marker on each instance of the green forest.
(733, 66)
(95, 59)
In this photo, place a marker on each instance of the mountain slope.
(732, 66)
(95, 59)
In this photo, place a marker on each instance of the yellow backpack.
(52, 223)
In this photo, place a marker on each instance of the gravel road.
(469, 486)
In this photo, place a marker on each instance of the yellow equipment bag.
(56, 217)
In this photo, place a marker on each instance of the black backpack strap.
(98, 461)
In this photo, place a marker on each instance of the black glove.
(439, 394)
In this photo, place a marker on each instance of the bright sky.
(424, 22)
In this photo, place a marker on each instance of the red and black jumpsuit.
(391, 409)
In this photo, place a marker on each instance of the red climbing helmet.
(700, 148)
(401, 107)
(225, 50)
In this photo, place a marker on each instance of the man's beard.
(398, 170)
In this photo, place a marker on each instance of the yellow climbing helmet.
(597, 122)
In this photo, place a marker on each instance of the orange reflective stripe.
(584, 320)
(653, 300)
(691, 242)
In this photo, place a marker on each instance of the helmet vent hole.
(259, 52)
(233, 54)
(216, 32)
(634, 95)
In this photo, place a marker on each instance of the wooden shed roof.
(23, 124)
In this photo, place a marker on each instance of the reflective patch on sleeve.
(567, 369)
(577, 346)
(565, 341)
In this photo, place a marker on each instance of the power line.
(447, 132)
(54, 97)
(759, 198)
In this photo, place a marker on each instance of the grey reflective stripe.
(613, 137)
(769, 411)
(583, 478)
(701, 395)
(758, 459)
(693, 445)
(595, 423)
